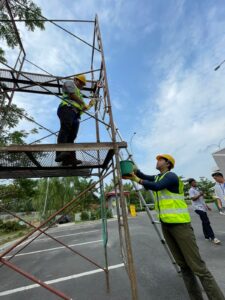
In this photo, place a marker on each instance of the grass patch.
(6, 237)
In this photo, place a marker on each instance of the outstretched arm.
(143, 176)
(170, 180)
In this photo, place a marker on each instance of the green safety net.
(104, 218)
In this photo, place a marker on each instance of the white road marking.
(32, 286)
(58, 236)
(53, 249)
(44, 239)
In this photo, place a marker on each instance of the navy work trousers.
(206, 227)
(69, 125)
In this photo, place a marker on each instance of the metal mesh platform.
(25, 82)
(34, 161)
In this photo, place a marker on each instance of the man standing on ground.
(175, 221)
(200, 207)
(220, 191)
(69, 113)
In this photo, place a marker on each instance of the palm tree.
(63, 190)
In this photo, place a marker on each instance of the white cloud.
(189, 105)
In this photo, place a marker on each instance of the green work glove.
(92, 102)
(135, 178)
(132, 177)
(135, 168)
(86, 107)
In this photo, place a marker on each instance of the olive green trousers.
(182, 243)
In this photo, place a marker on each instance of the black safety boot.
(62, 156)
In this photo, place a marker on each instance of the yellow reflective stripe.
(163, 197)
(158, 177)
(171, 207)
(77, 92)
(174, 211)
(175, 219)
(70, 102)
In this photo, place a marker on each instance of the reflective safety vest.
(73, 103)
(171, 207)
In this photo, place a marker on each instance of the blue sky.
(160, 58)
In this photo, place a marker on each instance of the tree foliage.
(10, 117)
(61, 191)
(205, 185)
(23, 9)
(18, 196)
(29, 195)
(133, 197)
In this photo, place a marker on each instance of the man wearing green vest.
(175, 220)
(69, 113)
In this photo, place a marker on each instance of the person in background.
(220, 191)
(200, 207)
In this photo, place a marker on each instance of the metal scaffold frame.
(19, 81)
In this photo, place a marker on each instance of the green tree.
(63, 190)
(27, 191)
(204, 184)
(10, 116)
(133, 197)
(90, 198)
(7, 194)
(18, 195)
(128, 186)
(24, 9)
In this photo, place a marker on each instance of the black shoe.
(78, 162)
(71, 162)
(66, 163)
(62, 156)
(58, 159)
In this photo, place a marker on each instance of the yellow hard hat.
(168, 157)
(82, 78)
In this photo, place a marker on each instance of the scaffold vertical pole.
(130, 261)
(101, 184)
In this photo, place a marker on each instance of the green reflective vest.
(69, 102)
(171, 207)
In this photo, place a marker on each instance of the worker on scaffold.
(69, 113)
(175, 220)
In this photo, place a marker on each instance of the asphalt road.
(81, 280)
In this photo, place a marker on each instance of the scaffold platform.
(11, 80)
(36, 161)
